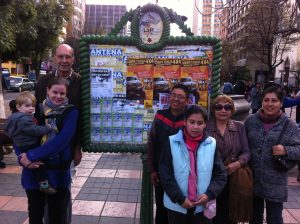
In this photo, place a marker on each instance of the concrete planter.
(242, 107)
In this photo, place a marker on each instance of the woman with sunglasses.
(271, 133)
(232, 145)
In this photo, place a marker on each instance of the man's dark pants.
(161, 216)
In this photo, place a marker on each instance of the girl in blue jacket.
(56, 153)
(191, 171)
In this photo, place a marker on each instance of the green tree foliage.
(7, 27)
(25, 16)
(228, 62)
(51, 17)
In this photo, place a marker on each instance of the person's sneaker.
(298, 177)
(46, 188)
(2, 165)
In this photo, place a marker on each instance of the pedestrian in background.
(249, 86)
(297, 96)
(166, 123)
(5, 141)
(191, 171)
(266, 139)
(232, 144)
(255, 94)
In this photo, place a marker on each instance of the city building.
(233, 30)
(76, 26)
(100, 19)
(206, 17)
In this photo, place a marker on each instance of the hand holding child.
(27, 163)
(24, 160)
(35, 165)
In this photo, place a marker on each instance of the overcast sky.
(181, 7)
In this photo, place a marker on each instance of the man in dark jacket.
(166, 123)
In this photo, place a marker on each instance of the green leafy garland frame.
(168, 16)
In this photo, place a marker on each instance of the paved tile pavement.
(106, 190)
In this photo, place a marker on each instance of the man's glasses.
(178, 96)
(61, 56)
(219, 107)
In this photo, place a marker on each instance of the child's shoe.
(46, 188)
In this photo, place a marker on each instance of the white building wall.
(293, 55)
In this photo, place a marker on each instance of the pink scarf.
(192, 145)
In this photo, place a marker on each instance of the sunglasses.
(219, 107)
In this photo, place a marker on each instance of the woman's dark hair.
(278, 90)
(58, 80)
(13, 106)
(196, 109)
(183, 88)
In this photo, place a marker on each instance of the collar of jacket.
(213, 126)
(180, 138)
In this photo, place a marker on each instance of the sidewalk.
(106, 190)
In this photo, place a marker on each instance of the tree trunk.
(2, 107)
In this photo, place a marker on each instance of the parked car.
(134, 88)
(133, 83)
(189, 82)
(5, 78)
(20, 84)
(160, 84)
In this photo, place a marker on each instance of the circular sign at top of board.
(150, 27)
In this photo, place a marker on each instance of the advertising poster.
(119, 88)
(101, 83)
(166, 74)
(128, 86)
(139, 79)
(194, 74)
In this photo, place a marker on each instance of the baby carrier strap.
(59, 114)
